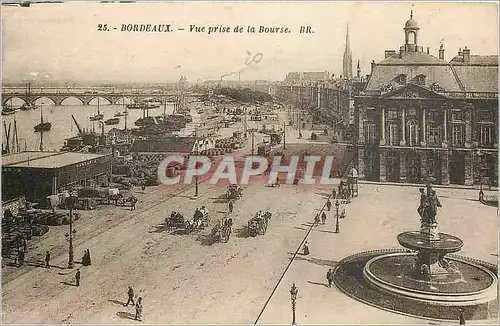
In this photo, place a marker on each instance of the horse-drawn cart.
(257, 225)
(176, 222)
(201, 217)
(222, 230)
(234, 192)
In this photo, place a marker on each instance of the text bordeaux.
(158, 28)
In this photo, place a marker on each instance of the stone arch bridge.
(86, 98)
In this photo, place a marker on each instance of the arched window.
(411, 37)
(412, 132)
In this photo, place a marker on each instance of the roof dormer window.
(421, 80)
(402, 79)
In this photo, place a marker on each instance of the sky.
(62, 41)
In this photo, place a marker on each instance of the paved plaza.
(184, 280)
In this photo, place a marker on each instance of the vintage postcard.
(202, 162)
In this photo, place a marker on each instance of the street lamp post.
(337, 204)
(293, 296)
(72, 232)
(196, 186)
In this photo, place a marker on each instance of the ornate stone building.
(422, 118)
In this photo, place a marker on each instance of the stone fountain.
(424, 272)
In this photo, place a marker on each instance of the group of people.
(86, 261)
(138, 305)
(22, 249)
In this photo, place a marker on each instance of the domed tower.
(411, 35)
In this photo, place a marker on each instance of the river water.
(63, 125)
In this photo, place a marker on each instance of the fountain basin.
(394, 273)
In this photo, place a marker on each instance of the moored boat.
(43, 126)
(112, 121)
(99, 115)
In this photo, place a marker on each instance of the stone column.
(402, 167)
(361, 124)
(54, 184)
(424, 140)
(445, 128)
(403, 127)
(495, 170)
(468, 169)
(424, 171)
(468, 127)
(382, 126)
(445, 173)
(361, 163)
(383, 166)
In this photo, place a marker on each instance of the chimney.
(373, 65)
(359, 70)
(441, 52)
(460, 55)
(428, 50)
(389, 53)
(466, 55)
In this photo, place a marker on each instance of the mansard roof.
(480, 75)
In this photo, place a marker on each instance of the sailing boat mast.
(7, 136)
(15, 141)
(41, 130)
(164, 108)
(126, 113)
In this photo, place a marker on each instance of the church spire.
(347, 62)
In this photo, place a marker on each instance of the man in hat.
(77, 277)
(329, 277)
(130, 296)
(47, 259)
(138, 310)
(328, 205)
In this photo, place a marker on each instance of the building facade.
(421, 118)
(37, 175)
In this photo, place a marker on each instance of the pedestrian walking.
(461, 318)
(230, 206)
(334, 194)
(316, 220)
(20, 255)
(138, 310)
(89, 261)
(47, 260)
(305, 249)
(328, 205)
(323, 218)
(77, 277)
(329, 277)
(130, 294)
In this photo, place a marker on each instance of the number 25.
(102, 28)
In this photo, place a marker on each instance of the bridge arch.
(126, 99)
(72, 98)
(36, 100)
(15, 100)
(94, 100)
